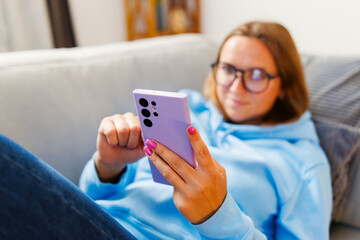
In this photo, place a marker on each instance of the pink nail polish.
(148, 151)
(191, 130)
(151, 143)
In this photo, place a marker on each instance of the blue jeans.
(36, 202)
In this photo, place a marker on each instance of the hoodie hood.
(302, 129)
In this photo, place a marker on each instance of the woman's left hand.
(199, 192)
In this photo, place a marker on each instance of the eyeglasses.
(254, 80)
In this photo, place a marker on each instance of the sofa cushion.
(343, 232)
(334, 84)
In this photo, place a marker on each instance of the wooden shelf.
(151, 18)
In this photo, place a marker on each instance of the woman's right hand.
(119, 142)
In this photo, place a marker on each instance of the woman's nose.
(237, 85)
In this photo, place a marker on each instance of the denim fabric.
(36, 202)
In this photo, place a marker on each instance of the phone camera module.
(148, 123)
(145, 112)
(143, 102)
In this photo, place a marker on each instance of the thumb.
(199, 147)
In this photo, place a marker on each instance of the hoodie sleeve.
(90, 183)
(229, 222)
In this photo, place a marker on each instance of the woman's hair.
(295, 98)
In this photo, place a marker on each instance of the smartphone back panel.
(164, 117)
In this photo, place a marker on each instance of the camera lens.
(145, 112)
(156, 114)
(153, 103)
(148, 123)
(143, 102)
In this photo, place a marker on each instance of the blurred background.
(318, 26)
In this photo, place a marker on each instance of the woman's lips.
(237, 103)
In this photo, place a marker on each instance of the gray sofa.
(52, 101)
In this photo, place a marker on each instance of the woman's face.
(240, 105)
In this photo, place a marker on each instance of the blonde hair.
(295, 99)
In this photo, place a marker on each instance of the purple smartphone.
(164, 117)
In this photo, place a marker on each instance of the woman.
(261, 173)
(277, 180)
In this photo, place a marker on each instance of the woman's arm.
(229, 222)
(91, 184)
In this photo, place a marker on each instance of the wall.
(24, 25)
(318, 26)
(97, 22)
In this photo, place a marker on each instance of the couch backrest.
(52, 101)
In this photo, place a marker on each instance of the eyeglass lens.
(255, 80)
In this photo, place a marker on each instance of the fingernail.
(148, 151)
(191, 130)
(151, 143)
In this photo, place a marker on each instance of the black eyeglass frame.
(236, 70)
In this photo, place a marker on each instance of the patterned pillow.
(341, 144)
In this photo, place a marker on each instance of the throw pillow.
(340, 143)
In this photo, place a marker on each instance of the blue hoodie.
(278, 177)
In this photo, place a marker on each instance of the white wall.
(97, 22)
(24, 24)
(317, 26)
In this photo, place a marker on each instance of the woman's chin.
(244, 119)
